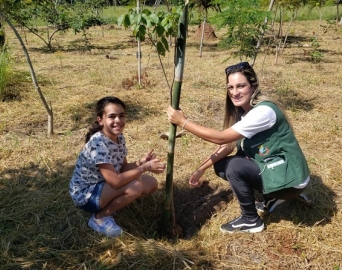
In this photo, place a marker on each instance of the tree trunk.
(202, 37)
(33, 76)
(262, 34)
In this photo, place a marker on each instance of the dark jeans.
(244, 176)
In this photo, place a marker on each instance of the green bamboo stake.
(175, 99)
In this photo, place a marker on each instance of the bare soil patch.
(208, 34)
(193, 207)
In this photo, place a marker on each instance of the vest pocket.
(274, 172)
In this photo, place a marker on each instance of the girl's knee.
(150, 186)
(154, 185)
(136, 189)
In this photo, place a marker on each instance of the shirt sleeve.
(256, 120)
(99, 152)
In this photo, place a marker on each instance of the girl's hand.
(155, 165)
(149, 156)
(176, 117)
(195, 177)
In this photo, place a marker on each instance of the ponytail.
(95, 127)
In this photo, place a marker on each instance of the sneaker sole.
(263, 210)
(275, 205)
(118, 233)
(252, 230)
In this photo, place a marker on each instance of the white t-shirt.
(259, 119)
(256, 120)
(98, 150)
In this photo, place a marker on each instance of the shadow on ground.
(324, 206)
(194, 206)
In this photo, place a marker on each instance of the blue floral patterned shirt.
(98, 150)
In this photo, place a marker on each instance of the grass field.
(41, 229)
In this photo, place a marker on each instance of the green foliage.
(57, 16)
(5, 73)
(316, 54)
(157, 27)
(308, 10)
(244, 21)
(85, 14)
(204, 5)
(2, 37)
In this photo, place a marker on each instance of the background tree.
(86, 14)
(244, 21)
(203, 6)
(156, 27)
(54, 16)
(33, 76)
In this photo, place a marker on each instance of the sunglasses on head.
(239, 65)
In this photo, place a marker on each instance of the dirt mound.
(193, 207)
(209, 32)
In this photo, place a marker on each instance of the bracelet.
(187, 120)
(146, 167)
(141, 169)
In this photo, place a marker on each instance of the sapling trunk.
(33, 76)
(175, 99)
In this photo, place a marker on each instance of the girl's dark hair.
(100, 107)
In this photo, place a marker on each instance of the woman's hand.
(176, 117)
(195, 177)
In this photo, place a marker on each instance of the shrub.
(5, 75)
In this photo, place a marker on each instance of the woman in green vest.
(268, 157)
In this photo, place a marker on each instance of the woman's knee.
(220, 168)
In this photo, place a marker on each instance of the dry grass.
(41, 229)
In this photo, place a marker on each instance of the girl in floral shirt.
(103, 181)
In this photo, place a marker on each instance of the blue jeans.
(93, 204)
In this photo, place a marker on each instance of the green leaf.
(165, 43)
(147, 21)
(160, 48)
(146, 11)
(140, 35)
(143, 20)
(154, 18)
(138, 19)
(159, 30)
(120, 20)
(131, 19)
(165, 21)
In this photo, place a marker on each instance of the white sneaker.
(105, 225)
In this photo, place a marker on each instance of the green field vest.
(277, 152)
